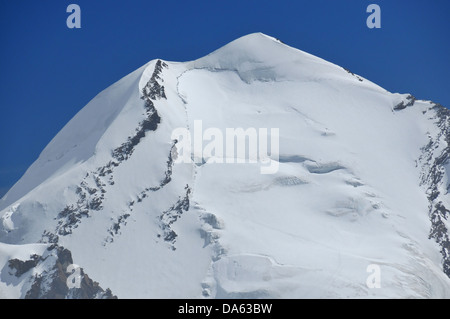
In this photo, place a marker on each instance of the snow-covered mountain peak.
(259, 57)
(361, 181)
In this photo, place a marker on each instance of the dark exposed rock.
(212, 220)
(151, 92)
(114, 230)
(356, 76)
(348, 71)
(168, 172)
(95, 203)
(410, 100)
(49, 237)
(50, 280)
(433, 173)
(55, 282)
(21, 267)
(170, 216)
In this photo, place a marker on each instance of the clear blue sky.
(49, 72)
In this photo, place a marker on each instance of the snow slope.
(361, 175)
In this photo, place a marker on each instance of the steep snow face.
(361, 181)
(77, 141)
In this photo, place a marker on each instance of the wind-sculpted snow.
(362, 184)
